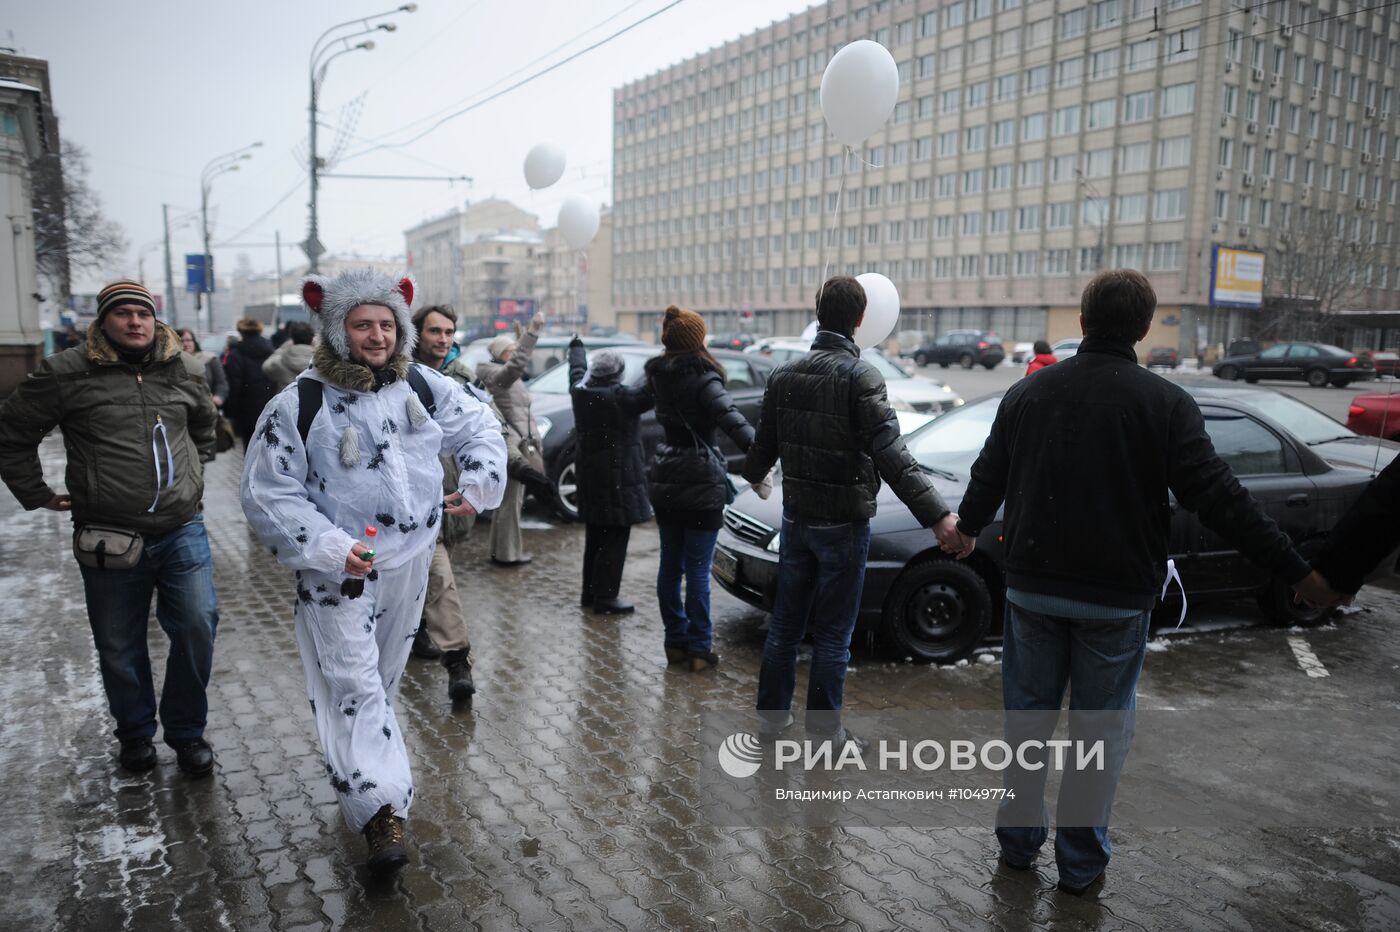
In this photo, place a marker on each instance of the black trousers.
(604, 553)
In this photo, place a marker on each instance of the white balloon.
(881, 310)
(578, 221)
(858, 92)
(544, 165)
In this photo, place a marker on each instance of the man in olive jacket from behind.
(827, 417)
(138, 421)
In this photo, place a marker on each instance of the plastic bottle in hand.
(354, 586)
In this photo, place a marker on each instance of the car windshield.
(951, 443)
(556, 381)
(1331, 350)
(1301, 420)
(882, 365)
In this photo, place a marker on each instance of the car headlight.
(542, 425)
(776, 544)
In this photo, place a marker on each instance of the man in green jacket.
(138, 421)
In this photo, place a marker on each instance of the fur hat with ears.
(332, 300)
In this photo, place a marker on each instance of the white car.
(1064, 349)
(906, 392)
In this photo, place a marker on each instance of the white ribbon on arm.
(160, 430)
(1173, 574)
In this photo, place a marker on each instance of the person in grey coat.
(502, 377)
(611, 470)
(291, 358)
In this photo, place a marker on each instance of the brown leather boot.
(385, 835)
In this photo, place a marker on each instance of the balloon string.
(835, 219)
(861, 160)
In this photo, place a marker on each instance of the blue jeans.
(824, 564)
(686, 554)
(1100, 661)
(177, 566)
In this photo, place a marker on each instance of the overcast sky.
(155, 90)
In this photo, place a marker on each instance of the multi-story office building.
(1033, 142)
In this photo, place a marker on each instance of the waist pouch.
(101, 547)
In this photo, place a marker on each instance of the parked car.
(906, 392)
(764, 345)
(910, 340)
(1165, 356)
(746, 375)
(1315, 363)
(1385, 362)
(1303, 467)
(733, 341)
(1022, 353)
(967, 348)
(1375, 414)
(1064, 349)
(550, 350)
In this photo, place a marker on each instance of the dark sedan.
(1302, 466)
(1314, 363)
(746, 374)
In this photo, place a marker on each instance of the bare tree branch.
(70, 232)
(1322, 265)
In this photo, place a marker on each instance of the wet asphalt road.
(562, 800)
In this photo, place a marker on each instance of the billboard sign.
(1236, 278)
(194, 273)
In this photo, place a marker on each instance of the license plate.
(725, 567)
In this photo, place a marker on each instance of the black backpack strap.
(310, 393)
(421, 389)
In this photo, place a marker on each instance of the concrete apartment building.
(492, 251)
(473, 257)
(1034, 142)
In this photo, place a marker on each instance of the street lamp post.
(228, 162)
(1103, 212)
(312, 247)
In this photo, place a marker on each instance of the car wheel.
(1340, 383)
(1228, 373)
(1276, 602)
(566, 488)
(938, 611)
(966, 360)
(1317, 378)
(920, 359)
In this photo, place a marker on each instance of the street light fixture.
(317, 73)
(220, 165)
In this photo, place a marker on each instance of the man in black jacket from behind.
(1083, 453)
(826, 416)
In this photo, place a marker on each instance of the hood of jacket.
(100, 351)
(351, 375)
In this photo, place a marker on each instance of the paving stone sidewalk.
(566, 799)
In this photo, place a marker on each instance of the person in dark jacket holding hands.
(1083, 456)
(829, 419)
(1368, 532)
(689, 481)
(610, 468)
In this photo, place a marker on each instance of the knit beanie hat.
(332, 300)
(682, 331)
(499, 345)
(605, 366)
(123, 291)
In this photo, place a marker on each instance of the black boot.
(460, 687)
(138, 754)
(423, 646)
(385, 835)
(612, 607)
(193, 755)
